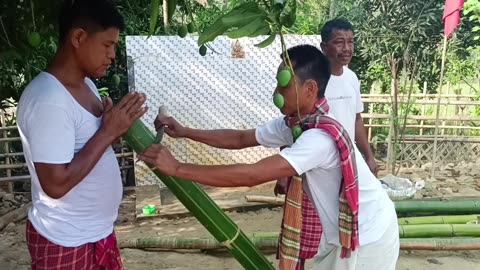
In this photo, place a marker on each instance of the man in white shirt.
(343, 89)
(314, 154)
(67, 132)
(344, 99)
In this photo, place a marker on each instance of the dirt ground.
(452, 180)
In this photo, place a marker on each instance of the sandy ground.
(453, 180)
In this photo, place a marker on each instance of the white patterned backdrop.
(210, 92)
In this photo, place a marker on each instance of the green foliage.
(394, 34)
(23, 24)
(472, 11)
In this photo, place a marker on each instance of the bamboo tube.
(438, 230)
(439, 207)
(202, 207)
(265, 199)
(171, 243)
(439, 220)
(193, 243)
(453, 244)
(468, 205)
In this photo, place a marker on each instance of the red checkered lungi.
(46, 255)
(311, 232)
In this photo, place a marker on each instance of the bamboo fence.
(458, 127)
(456, 139)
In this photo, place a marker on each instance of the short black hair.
(332, 25)
(92, 15)
(309, 63)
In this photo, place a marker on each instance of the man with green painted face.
(322, 161)
(343, 96)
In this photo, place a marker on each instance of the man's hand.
(118, 119)
(160, 157)
(281, 186)
(372, 164)
(172, 127)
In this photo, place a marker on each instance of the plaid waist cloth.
(311, 232)
(101, 255)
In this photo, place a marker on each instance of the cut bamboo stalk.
(436, 205)
(139, 137)
(193, 243)
(439, 230)
(265, 199)
(171, 243)
(461, 219)
(434, 244)
(454, 207)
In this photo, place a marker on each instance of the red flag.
(451, 15)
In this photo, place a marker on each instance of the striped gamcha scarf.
(348, 215)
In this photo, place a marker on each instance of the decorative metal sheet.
(229, 88)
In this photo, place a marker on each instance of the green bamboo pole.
(439, 230)
(457, 207)
(452, 244)
(459, 219)
(268, 243)
(139, 137)
(264, 243)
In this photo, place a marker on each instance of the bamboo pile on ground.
(415, 234)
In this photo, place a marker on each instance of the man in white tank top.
(67, 132)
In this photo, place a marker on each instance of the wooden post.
(458, 110)
(423, 106)
(442, 72)
(390, 151)
(370, 111)
(445, 110)
(9, 185)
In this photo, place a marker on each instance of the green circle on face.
(182, 31)
(278, 100)
(283, 77)
(296, 132)
(202, 50)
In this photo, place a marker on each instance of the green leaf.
(212, 32)
(154, 10)
(218, 27)
(267, 41)
(247, 29)
(476, 28)
(265, 30)
(242, 19)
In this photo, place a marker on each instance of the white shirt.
(316, 154)
(343, 97)
(53, 128)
